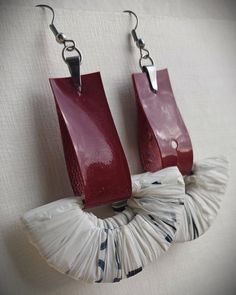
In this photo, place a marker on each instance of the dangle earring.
(163, 137)
(95, 160)
(164, 141)
(76, 242)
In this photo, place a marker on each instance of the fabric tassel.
(203, 194)
(79, 244)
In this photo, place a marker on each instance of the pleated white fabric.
(83, 246)
(204, 191)
(164, 207)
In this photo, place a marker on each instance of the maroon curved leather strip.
(163, 137)
(94, 156)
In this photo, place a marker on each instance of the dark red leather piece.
(161, 126)
(94, 156)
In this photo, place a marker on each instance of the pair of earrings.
(162, 207)
(82, 107)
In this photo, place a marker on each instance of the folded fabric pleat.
(83, 246)
(204, 190)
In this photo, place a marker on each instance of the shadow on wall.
(30, 266)
(51, 165)
(53, 180)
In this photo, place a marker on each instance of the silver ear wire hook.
(139, 42)
(144, 55)
(136, 17)
(49, 7)
(60, 37)
(73, 62)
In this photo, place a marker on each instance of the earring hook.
(139, 41)
(49, 7)
(135, 15)
(73, 62)
(69, 45)
(60, 37)
(144, 55)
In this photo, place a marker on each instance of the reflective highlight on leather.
(163, 137)
(94, 156)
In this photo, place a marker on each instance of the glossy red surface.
(94, 156)
(163, 137)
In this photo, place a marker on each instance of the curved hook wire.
(60, 37)
(69, 44)
(144, 55)
(50, 8)
(73, 62)
(135, 15)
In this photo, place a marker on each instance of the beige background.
(196, 40)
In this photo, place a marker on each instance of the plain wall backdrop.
(196, 41)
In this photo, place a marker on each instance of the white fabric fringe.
(85, 247)
(204, 191)
(164, 207)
